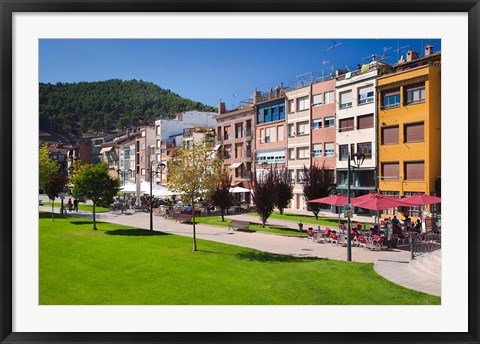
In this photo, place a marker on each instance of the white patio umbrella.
(162, 191)
(238, 189)
(144, 188)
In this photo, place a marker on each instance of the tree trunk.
(94, 223)
(194, 236)
(281, 211)
(222, 213)
(53, 214)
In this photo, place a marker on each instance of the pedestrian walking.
(69, 204)
(75, 205)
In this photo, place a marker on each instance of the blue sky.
(210, 70)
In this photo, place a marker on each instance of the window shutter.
(390, 135)
(346, 124)
(390, 170)
(414, 132)
(346, 97)
(415, 170)
(365, 122)
(317, 99)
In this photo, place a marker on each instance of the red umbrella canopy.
(422, 199)
(376, 201)
(338, 200)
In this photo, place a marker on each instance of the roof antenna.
(332, 48)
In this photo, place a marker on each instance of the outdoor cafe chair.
(334, 238)
(377, 242)
(362, 242)
(310, 234)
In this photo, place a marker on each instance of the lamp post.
(158, 170)
(358, 161)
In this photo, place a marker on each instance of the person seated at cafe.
(418, 225)
(395, 221)
(189, 208)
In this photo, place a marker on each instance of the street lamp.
(154, 172)
(358, 161)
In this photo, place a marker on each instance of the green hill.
(75, 109)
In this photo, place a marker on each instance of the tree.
(194, 175)
(55, 184)
(263, 194)
(283, 188)
(93, 182)
(47, 166)
(318, 182)
(222, 197)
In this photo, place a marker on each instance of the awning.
(217, 147)
(235, 165)
(105, 149)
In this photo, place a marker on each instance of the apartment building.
(59, 153)
(109, 154)
(298, 140)
(409, 128)
(82, 152)
(270, 129)
(143, 142)
(356, 127)
(235, 141)
(127, 157)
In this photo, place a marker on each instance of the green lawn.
(310, 219)
(254, 226)
(86, 207)
(123, 265)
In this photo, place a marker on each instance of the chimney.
(412, 55)
(221, 107)
(257, 96)
(428, 50)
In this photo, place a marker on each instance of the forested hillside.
(74, 109)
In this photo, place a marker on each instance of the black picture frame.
(9, 7)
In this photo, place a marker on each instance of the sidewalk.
(391, 264)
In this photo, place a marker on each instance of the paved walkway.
(288, 245)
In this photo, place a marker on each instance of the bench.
(183, 218)
(237, 224)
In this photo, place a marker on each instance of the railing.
(426, 242)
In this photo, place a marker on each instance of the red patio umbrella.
(377, 201)
(422, 199)
(336, 200)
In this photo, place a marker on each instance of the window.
(345, 100)
(328, 97)
(275, 114)
(329, 149)
(302, 153)
(238, 130)
(390, 170)
(390, 135)
(414, 170)
(329, 122)
(302, 128)
(300, 176)
(414, 132)
(267, 113)
(281, 110)
(365, 95)
(302, 103)
(317, 99)
(226, 135)
(391, 98)
(280, 133)
(159, 143)
(260, 117)
(291, 154)
(291, 130)
(365, 121)
(291, 106)
(365, 148)
(262, 136)
(317, 150)
(143, 133)
(415, 94)
(343, 152)
(142, 158)
(291, 175)
(143, 171)
(143, 146)
(317, 123)
(159, 158)
(227, 152)
(345, 124)
(163, 150)
(268, 137)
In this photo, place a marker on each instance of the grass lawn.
(122, 265)
(86, 207)
(254, 226)
(310, 219)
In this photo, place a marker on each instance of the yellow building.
(409, 128)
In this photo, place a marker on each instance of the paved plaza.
(392, 264)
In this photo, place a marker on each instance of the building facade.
(409, 128)
(235, 142)
(298, 140)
